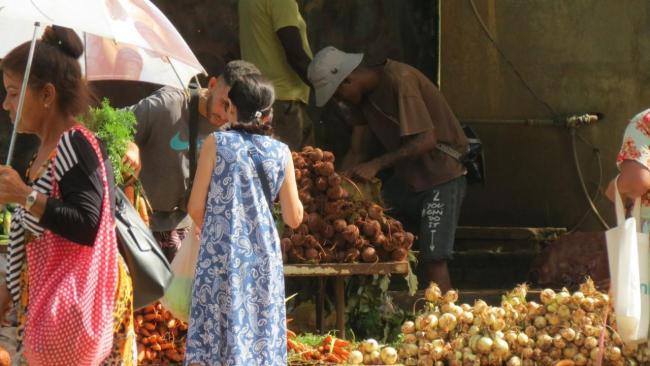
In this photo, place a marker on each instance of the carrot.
(291, 334)
(145, 332)
(129, 191)
(142, 210)
(151, 316)
(166, 346)
(141, 353)
(333, 358)
(148, 326)
(149, 309)
(156, 347)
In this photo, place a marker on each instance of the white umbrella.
(125, 40)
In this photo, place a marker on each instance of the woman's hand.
(12, 188)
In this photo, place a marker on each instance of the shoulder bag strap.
(264, 181)
(194, 131)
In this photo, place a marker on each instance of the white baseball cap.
(328, 69)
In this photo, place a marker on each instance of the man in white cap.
(422, 138)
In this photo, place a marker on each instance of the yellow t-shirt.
(258, 22)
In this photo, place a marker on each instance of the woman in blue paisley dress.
(238, 313)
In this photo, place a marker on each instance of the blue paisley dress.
(238, 314)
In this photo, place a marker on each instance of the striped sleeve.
(66, 158)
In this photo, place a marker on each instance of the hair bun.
(65, 39)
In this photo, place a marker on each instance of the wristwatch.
(31, 199)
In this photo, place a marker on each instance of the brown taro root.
(328, 256)
(371, 228)
(306, 183)
(399, 254)
(321, 184)
(351, 233)
(408, 241)
(304, 196)
(334, 180)
(296, 255)
(391, 244)
(328, 156)
(312, 255)
(315, 155)
(335, 193)
(369, 255)
(314, 222)
(334, 208)
(286, 244)
(376, 212)
(340, 225)
(395, 226)
(298, 174)
(303, 229)
(352, 255)
(297, 240)
(307, 149)
(324, 169)
(328, 231)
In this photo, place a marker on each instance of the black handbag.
(150, 271)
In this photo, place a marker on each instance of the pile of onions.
(336, 229)
(369, 352)
(562, 326)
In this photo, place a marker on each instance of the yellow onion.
(522, 340)
(473, 342)
(547, 296)
(530, 331)
(514, 361)
(484, 344)
(410, 350)
(432, 334)
(559, 342)
(540, 322)
(370, 345)
(510, 336)
(564, 312)
(388, 356)
(630, 349)
(430, 322)
(594, 354)
(439, 363)
(418, 322)
(563, 297)
(411, 361)
(588, 304)
(420, 334)
(499, 312)
(527, 352)
(555, 353)
(552, 308)
(408, 327)
(467, 317)
(480, 306)
(458, 344)
(450, 296)
(544, 341)
(499, 324)
(437, 343)
(457, 311)
(613, 353)
(580, 359)
(409, 338)
(570, 352)
(447, 322)
(568, 334)
(577, 297)
(534, 308)
(355, 357)
(590, 342)
(432, 293)
(473, 330)
(466, 307)
(437, 353)
(501, 348)
(553, 319)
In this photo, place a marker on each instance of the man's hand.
(366, 171)
(132, 163)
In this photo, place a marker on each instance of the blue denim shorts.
(431, 215)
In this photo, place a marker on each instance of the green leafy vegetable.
(116, 128)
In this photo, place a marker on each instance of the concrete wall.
(578, 56)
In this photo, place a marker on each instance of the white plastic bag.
(178, 297)
(629, 260)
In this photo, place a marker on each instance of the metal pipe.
(525, 122)
(23, 90)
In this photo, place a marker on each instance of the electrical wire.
(507, 60)
(592, 206)
(598, 194)
(590, 200)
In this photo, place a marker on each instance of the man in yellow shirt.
(273, 36)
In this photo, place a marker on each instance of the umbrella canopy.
(125, 39)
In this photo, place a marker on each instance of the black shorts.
(431, 215)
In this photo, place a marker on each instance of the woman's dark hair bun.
(65, 39)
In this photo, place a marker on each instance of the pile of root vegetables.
(160, 337)
(337, 229)
(563, 327)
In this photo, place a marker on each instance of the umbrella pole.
(180, 80)
(23, 90)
